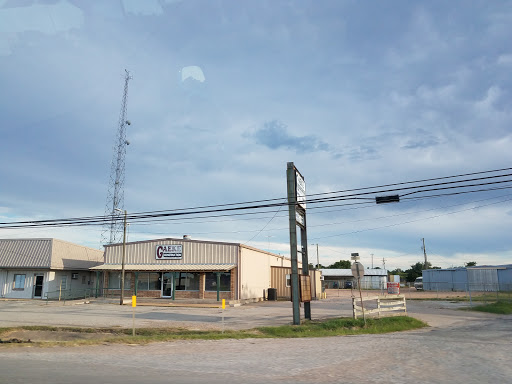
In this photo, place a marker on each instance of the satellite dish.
(128, 122)
(127, 142)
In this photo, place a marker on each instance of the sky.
(225, 93)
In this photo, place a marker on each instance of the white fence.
(392, 305)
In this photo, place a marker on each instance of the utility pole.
(384, 263)
(372, 260)
(317, 258)
(121, 299)
(115, 195)
(424, 253)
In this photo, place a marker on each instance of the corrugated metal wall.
(463, 279)
(278, 281)
(194, 252)
(505, 279)
(373, 282)
(483, 279)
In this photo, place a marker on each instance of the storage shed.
(481, 278)
(41, 268)
(343, 278)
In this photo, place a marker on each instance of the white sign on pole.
(299, 218)
(300, 190)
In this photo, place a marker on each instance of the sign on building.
(169, 252)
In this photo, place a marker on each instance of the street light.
(124, 254)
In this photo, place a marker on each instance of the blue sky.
(225, 93)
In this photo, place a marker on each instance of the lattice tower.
(113, 227)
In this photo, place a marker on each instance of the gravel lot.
(458, 347)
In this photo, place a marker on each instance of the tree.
(342, 264)
(416, 270)
(470, 264)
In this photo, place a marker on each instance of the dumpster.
(272, 294)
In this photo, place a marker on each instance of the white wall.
(28, 289)
(3, 275)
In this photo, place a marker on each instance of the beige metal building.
(189, 269)
(41, 268)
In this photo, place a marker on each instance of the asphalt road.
(460, 347)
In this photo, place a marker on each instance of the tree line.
(409, 275)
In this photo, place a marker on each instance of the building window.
(83, 279)
(148, 282)
(288, 280)
(114, 280)
(211, 281)
(187, 281)
(19, 282)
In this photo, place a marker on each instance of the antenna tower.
(113, 227)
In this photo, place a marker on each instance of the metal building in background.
(486, 278)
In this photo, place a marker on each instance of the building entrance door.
(38, 286)
(167, 284)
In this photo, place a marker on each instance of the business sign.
(169, 252)
(299, 218)
(300, 190)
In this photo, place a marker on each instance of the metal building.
(189, 269)
(45, 268)
(343, 278)
(481, 278)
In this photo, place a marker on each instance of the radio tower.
(113, 227)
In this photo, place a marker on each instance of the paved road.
(460, 347)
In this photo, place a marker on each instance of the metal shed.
(483, 278)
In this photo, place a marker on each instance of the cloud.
(45, 19)
(274, 135)
(144, 8)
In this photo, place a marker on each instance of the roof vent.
(187, 237)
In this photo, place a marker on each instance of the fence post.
(469, 291)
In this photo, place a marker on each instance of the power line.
(229, 209)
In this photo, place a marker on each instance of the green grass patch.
(500, 307)
(88, 336)
(344, 326)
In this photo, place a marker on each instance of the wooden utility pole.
(424, 253)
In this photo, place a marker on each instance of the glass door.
(38, 286)
(167, 284)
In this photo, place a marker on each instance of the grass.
(324, 328)
(499, 307)
(477, 296)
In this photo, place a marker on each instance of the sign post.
(358, 273)
(296, 188)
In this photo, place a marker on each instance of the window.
(288, 280)
(148, 282)
(114, 280)
(19, 282)
(211, 281)
(83, 279)
(187, 281)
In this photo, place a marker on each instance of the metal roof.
(47, 254)
(348, 272)
(166, 267)
(25, 253)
